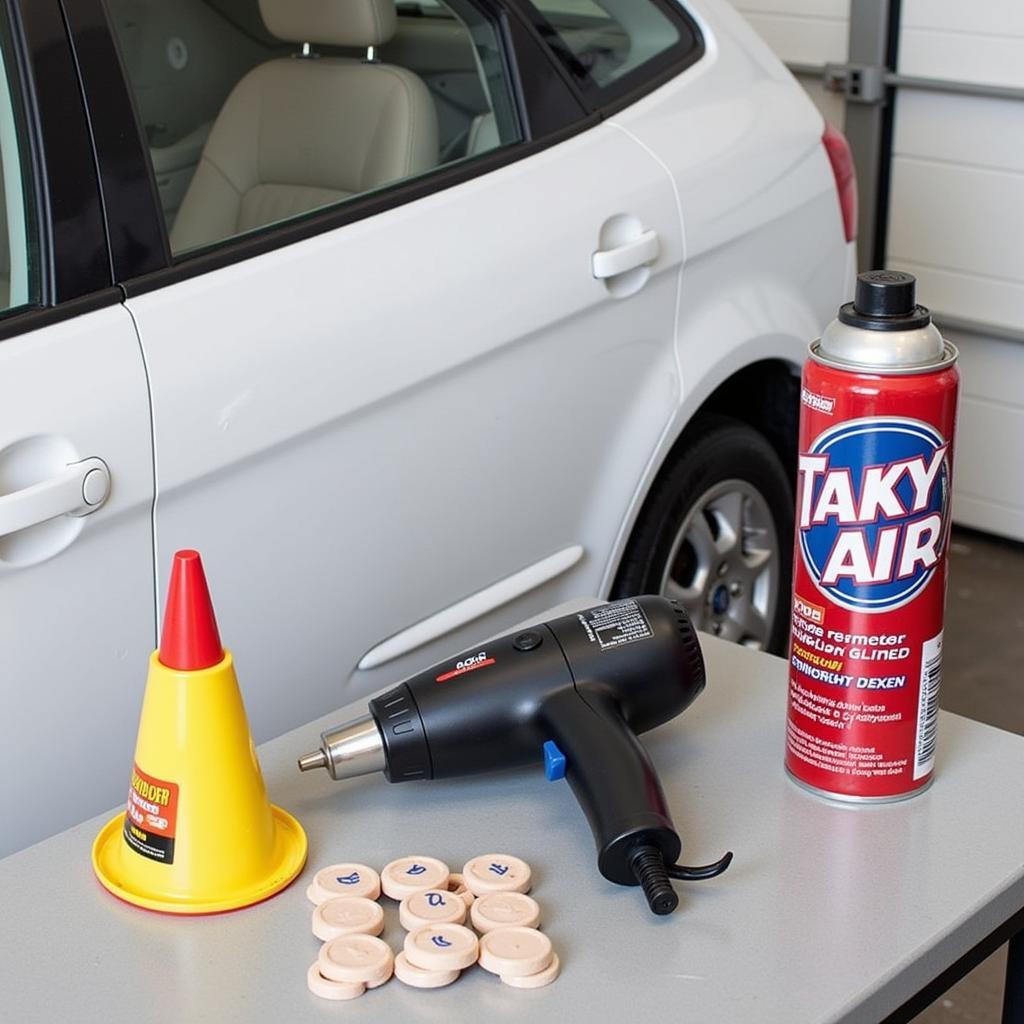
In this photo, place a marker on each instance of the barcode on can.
(928, 706)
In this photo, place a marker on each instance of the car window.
(604, 42)
(18, 249)
(260, 111)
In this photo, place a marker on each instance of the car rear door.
(76, 468)
(399, 422)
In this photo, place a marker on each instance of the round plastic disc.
(504, 910)
(415, 976)
(457, 885)
(441, 947)
(327, 989)
(358, 958)
(346, 915)
(538, 980)
(344, 880)
(407, 875)
(432, 906)
(515, 952)
(497, 872)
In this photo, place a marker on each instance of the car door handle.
(80, 488)
(639, 252)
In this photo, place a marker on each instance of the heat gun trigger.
(697, 874)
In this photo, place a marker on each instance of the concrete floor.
(981, 679)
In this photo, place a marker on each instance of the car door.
(401, 421)
(76, 469)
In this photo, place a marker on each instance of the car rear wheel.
(716, 536)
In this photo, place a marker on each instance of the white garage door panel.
(814, 9)
(802, 39)
(984, 17)
(988, 488)
(986, 496)
(970, 130)
(991, 60)
(943, 216)
(966, 296)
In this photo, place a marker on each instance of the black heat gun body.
(572, 693)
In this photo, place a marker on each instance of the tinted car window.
(247, 127)
(610, 46)
(18, 250)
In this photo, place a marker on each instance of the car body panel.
(767, 264)
(399, 413)
(76, 594)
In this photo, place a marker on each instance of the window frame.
(65, 216)
(549, 111)
(634, 84)
(552, 108)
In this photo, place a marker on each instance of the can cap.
(883, 330)
(884, 300)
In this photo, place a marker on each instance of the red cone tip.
(190, 640)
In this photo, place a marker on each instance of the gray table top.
(829, 913)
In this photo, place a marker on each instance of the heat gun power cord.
(654, 876)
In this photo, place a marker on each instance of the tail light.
(841, 159)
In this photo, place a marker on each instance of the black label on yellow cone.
(151, 816)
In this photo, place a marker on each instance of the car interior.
(299, 105)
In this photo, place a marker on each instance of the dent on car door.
(76, 472)
(375, 399)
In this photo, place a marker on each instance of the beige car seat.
(299, 133)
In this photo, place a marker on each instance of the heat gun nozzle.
(348, 751)
(314, 759)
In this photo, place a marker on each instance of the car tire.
(716, 534)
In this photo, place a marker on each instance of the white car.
(414, 321)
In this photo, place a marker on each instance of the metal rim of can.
(949, 357)
(853, 798)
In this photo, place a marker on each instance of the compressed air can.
(874, 483)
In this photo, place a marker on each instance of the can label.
(874, 482)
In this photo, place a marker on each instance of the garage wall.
(805, 32)
(956, 220)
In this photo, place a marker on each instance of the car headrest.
(358, 23)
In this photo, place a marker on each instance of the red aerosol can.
(874, 483)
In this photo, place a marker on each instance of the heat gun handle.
(613, 779)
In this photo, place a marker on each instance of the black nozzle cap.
(885, 301)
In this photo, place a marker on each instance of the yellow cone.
(199, 834)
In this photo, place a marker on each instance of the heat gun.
(573, 693)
